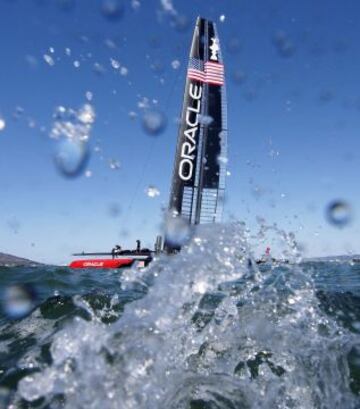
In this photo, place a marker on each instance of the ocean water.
(206, 328)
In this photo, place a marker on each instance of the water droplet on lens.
(19, 300)
(222, 18)
(205, 119)
(114, 164)
(132, 115)
(59, 112)
(31, 123)
(98, 68)
(154, 122)
(72, 124)
(114, 210)
(115, 63)
(110, 43)
(32, 61)
(2, 124)
(222, 160)
(89, 95)
(144, 103)
(283, 44)
(49, 60)
(177, 230)
(86, 114)
(113, 10)
(152, 191)
(71, 157)
(339, 213)
(19, 111)
(124, 71)
(175, 64)
(181, 23)
(14, 225)
(135, 4)
(157, 66)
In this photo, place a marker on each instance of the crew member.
(138, 246)
(116, 251)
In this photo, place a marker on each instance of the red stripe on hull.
(102, 263)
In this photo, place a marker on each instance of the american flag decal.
(196, 70)
(210, 72)
(214, 73)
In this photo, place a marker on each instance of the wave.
(205, 328)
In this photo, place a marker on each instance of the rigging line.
(152, 146)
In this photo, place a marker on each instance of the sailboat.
(198, 179)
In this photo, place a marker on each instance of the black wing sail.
(198, 180)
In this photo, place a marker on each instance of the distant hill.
(12, 261)
(335, 258)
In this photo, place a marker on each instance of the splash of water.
(212, 331)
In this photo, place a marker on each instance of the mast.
(198, 180)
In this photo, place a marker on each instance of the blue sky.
(294, 119)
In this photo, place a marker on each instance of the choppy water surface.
(206, 328)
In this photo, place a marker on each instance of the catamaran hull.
(102, 263)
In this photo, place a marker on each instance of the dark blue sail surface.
(198, 181)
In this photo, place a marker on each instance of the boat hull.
(102, 263)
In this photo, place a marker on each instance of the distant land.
(335, 258)
(7, 260)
